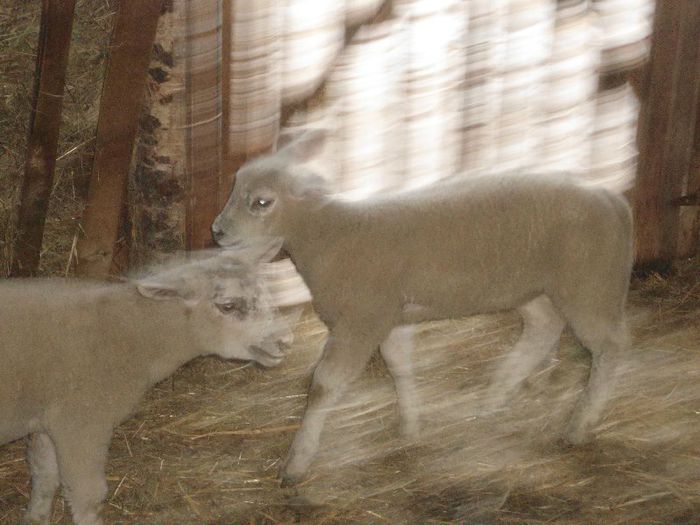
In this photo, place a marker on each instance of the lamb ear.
(286, 137)
(313, 186)
(161, 290)
(302, 146)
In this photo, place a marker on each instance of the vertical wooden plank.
(51, 64)
(158, 180)
(203, 84)
(689, 230)
(228, 169)
(252, 84)
(667, 128)
(120, 108)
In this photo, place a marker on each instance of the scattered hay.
(206, 445)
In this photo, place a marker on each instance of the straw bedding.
(205, 445)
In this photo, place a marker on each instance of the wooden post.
(667, 130)
(689, 203)
(49, 82)
(203, 85)
(120, 108)
(251, 105)
(158, 180)
(228, 169)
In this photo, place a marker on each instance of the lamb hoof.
(410, 432)
(35, 516)
(30, 519)
(497, 401)
(289, 477)
(288, 480)
(578, 437)
(491, 409)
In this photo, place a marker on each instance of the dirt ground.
(205, 445)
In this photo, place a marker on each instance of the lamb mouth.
(265, 357)
(235, 243)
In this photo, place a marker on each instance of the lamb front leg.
(344, 358)
(41, 456)
(81, 455)
(396, 351)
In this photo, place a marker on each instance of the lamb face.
(269, 190)
(250, 327)
(256, 207)
(229, 308)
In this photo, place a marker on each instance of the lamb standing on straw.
(77, 356)
(557, 251)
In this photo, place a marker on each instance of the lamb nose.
(216, 233)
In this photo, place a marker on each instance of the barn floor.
(205, 446)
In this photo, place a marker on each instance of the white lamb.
(554, 249)
(77, 356)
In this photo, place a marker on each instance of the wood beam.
(204, 119)
(49, 82)
(667, 129)
(120, 109)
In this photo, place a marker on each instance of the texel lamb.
(77, 356)
(558, 251)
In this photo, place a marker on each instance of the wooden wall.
(668, 178)
(666, 194)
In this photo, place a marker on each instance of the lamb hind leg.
(344, 358)
(396, 351)
(542, 328)
(607, 342)
(41, 456)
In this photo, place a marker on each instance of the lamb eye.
(237, 306)
(261, 203)
(228, 307)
